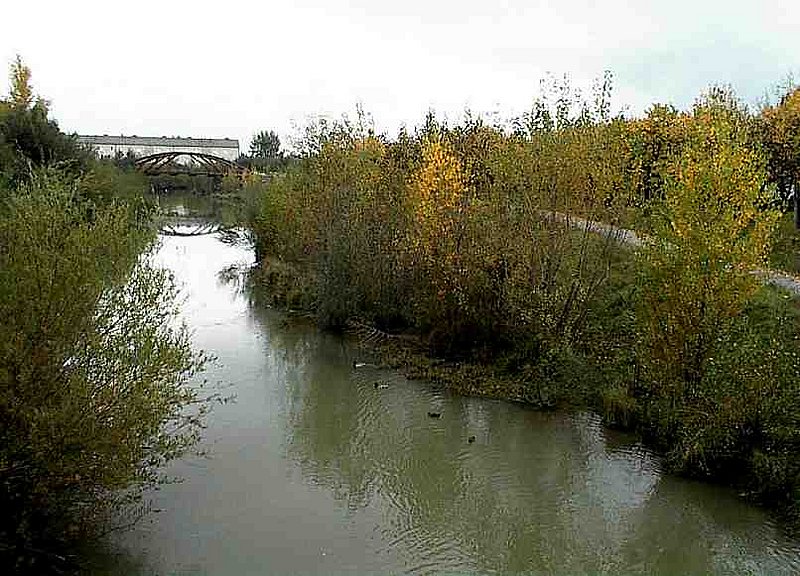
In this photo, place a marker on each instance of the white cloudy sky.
(230, 68)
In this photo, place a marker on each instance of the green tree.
(710, 233)
(28, 137)
(95, 392)
(780, 129)
(266, 145)
(21, 90)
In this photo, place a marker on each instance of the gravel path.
(781, 279)
(629, 237)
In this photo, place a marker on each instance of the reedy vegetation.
(467, 236)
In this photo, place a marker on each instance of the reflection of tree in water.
(318, 406)
(533, 492)
(695, 527)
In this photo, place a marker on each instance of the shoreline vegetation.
(98, 383)
(441, 247)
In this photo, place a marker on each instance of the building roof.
(159, 141)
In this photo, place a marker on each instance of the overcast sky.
(229, 68)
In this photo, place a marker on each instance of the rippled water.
(320, 467)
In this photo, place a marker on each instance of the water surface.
(319, 467)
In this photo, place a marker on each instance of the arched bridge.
(192, 163)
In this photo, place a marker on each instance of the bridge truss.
(191, 163)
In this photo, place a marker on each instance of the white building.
(110, 146)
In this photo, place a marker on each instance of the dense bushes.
(95, 390)
(405, 233)
(711, 370)
(93, 376)
(471, 236)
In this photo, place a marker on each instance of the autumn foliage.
(474, 238)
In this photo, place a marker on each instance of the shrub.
(456, 232)
(709, 370)
(94, 373)
(710, 234)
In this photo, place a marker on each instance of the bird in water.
(380, 385)
(435, 414)
(471, 439)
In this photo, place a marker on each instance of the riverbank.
(325, 446)
(457, 237)
(585, 377)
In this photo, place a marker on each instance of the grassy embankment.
(447, 238)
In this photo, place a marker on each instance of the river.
(320, 467)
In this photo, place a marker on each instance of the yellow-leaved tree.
(21, 95)
(711, 232)
(437, 194)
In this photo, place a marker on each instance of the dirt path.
(629, 237)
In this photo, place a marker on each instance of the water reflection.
(534, 492)
(321, 467)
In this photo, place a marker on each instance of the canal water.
(322, 467)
